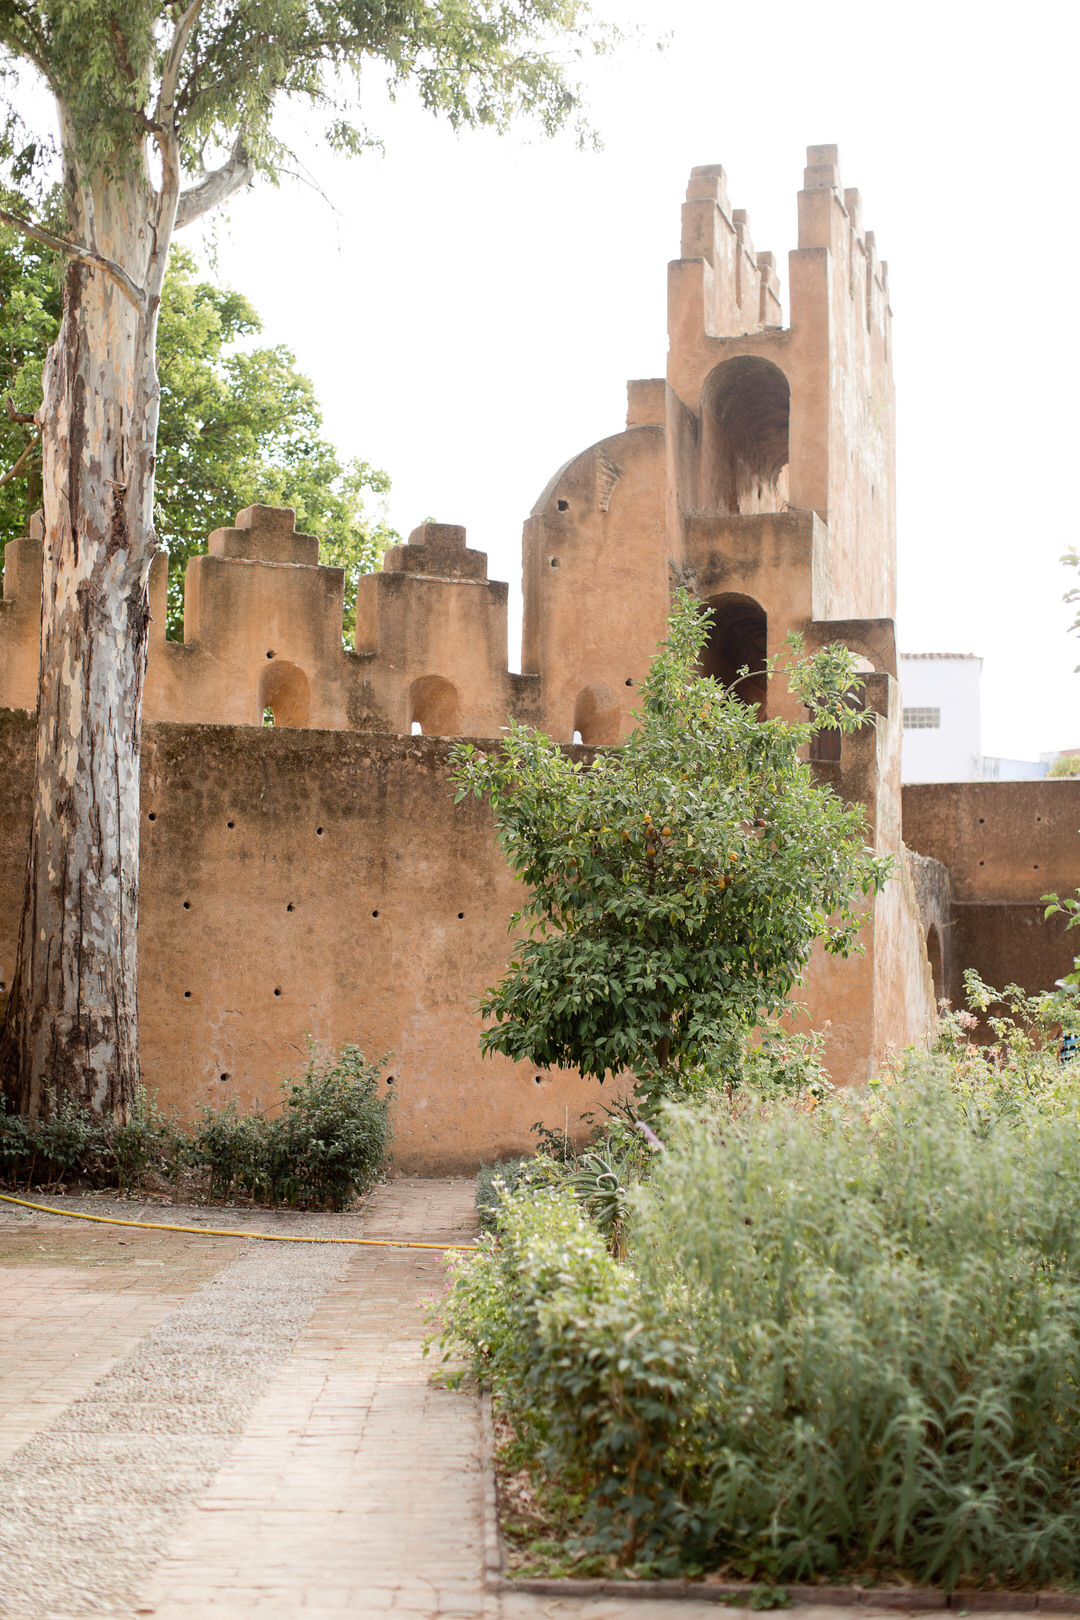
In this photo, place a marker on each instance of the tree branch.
(13, 472)
(75, 250)
(216, 187)
(122, 50)
(171, 70)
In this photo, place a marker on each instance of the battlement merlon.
(727, 289)
(831, 217)
(437, 551)
(265, 534)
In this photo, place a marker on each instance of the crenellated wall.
(316, 875)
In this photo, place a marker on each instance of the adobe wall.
(1005, 844)
(758, 473)
(301, 882)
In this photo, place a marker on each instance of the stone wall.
(1006, 844)
(315, 876)
(300, 882)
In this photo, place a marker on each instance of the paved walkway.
(200, 1426)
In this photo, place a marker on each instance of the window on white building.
(922, 719)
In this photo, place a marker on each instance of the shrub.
(846, 1343)
(330, 1141)
(72, 1140)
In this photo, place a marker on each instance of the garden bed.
(519, 1527)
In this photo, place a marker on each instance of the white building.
(942, 738)
(942, 724)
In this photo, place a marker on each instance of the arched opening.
(596, 716)
(285, 690)
(434, 708)
(933, 951)
(745, 414)
(738, 636)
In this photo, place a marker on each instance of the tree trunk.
(72, 1020)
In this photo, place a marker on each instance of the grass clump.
(844, 1343)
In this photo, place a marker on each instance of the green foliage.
(475, 62)
(238, 424)
(600, 1177)
(69, 1140)
(1067, 766)
(1015, 1076)
(329, 1143)
(677, 886)
(844, 1344)
(1069, 986)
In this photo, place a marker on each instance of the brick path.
(355, 1485)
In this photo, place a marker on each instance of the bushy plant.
(230, 1148)
(1017, 1073)
(329, 1143)
(676, 887)
(71, 1140)
(846, 1343)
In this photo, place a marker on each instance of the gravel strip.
(89, 1504)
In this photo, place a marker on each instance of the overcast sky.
(470, 308)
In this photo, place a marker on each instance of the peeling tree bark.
(72, 1024)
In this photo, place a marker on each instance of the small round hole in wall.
(1035, 867)
(539, 1079)
(554, 561)
(187, 905)
(230, 824)
(224, 1077)
(374, 913)
(1038, 818)
(187, 995)
(318, 832)
(461, 916)
(152, 815)
(564, 506)
(290, 906)
(389, 1079)
(270, 653)
(982, 821)
(277, 990)
(629, 683)
(982, 863)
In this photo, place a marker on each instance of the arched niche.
(933, 951)
(434, 706)
(596, 716)
(285, 690)
(738, 635)
(745, 414)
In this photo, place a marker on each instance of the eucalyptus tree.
(164, 111)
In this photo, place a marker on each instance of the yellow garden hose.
(210, 1231)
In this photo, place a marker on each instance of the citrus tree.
(675, 886)
(164, 109)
